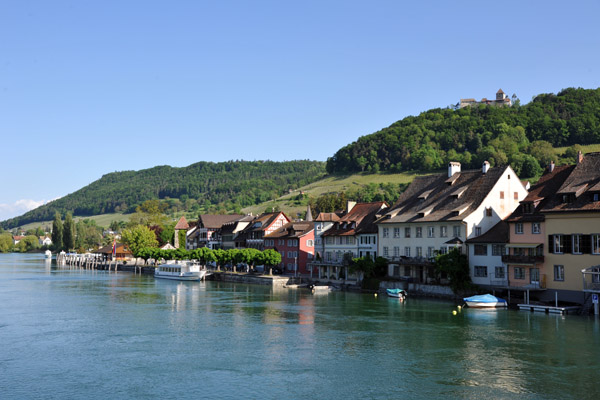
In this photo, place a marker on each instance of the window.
(329, 240)
(488, 211)
(430, 231)
(536, 228)
(456, 231)
(519, 273)
(386, 232)
(558, 244)
(497, 249)
(396, 251)
(499, 272)
(519, 228)
(576, 249)
(443, 231)
(319, 227)
(480, 250)
(443, 250)
(516, 196)
(502, 195)
(419, 252)
(595, 244)
(349, 240)
(596, 197)
(386, 251)
(477, 231)
(407, 232)
(407, 251)
(396, 270)
(419, 232)
(480, 271)
(430, 252)
(559, 272)
(396, 232)
(527, 208)
(309, 243)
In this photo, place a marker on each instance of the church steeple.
(309, 216)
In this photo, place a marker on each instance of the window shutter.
(567, 244)
(551, 244)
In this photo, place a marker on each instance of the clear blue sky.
(92, 87)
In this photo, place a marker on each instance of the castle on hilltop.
(501, 100)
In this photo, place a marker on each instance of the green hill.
(203, 186)
(519, 135)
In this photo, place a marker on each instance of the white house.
(45, 241)
(485, 256)
(440, 211)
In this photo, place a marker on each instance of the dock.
(549, 309)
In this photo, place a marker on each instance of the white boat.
(48, 254)
(399, 293)
(180, 272)
(485, 301)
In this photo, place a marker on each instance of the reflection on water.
(85, 333)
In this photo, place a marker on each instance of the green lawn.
(590, 148)
(103, 220)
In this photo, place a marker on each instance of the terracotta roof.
(213, 221)
(500, 91)
(264, 221)
(327, 217)
(579, 185)
(292, 230)
(444, 202)
(541, 193)
(360, 219)
(121, 249)
(497, 234)
(182, 224)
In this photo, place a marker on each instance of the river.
(71, 333)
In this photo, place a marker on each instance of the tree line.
(205, 186)
(523, 136)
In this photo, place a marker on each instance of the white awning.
(524, 245)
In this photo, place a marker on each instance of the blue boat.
(399, 293)
(485, 301)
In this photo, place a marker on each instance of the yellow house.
(572, 226)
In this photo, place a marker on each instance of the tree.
(138, 237)
(57, 232)
(69, 232)
(6, 242)
(271, 258)
(456, 266)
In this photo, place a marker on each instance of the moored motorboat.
(398, 293)
(485, 301)
(180, 272)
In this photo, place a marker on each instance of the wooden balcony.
(523, 260)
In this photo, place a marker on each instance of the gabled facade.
(572, 228)
(355, 234)
(253, 235)
(207, 232)
(524, 258)
(45, 241)
(295, 242)
(439, 212)
(322, 223)
(231, 230)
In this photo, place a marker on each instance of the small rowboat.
(485, 301)
(399, 293)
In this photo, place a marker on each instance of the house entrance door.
(534, 276)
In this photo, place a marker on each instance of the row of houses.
(544, 239)
(42, 240)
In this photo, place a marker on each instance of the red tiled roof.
(327, 217)
(292, 230)
(360, 219)
(182, 224)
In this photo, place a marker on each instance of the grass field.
(329, 184)
(103, 220)
(590, 148)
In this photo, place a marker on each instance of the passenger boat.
(399, 293)
(180, 272)
(485, 301)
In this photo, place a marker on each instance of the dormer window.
(527, 208)
(596, 197)
(567, 198)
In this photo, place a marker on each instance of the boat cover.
(395, 291)
(485, 298)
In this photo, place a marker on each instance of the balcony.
(525, 260)
(403, 260)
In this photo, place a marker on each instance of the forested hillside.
(520, 135)
(205, 186)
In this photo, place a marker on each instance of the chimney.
(485, 167)
(350, 205)
(453, 167)
(551, 166)
(579, 157)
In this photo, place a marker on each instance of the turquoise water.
(95, 335)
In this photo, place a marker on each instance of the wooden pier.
(549, 309)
